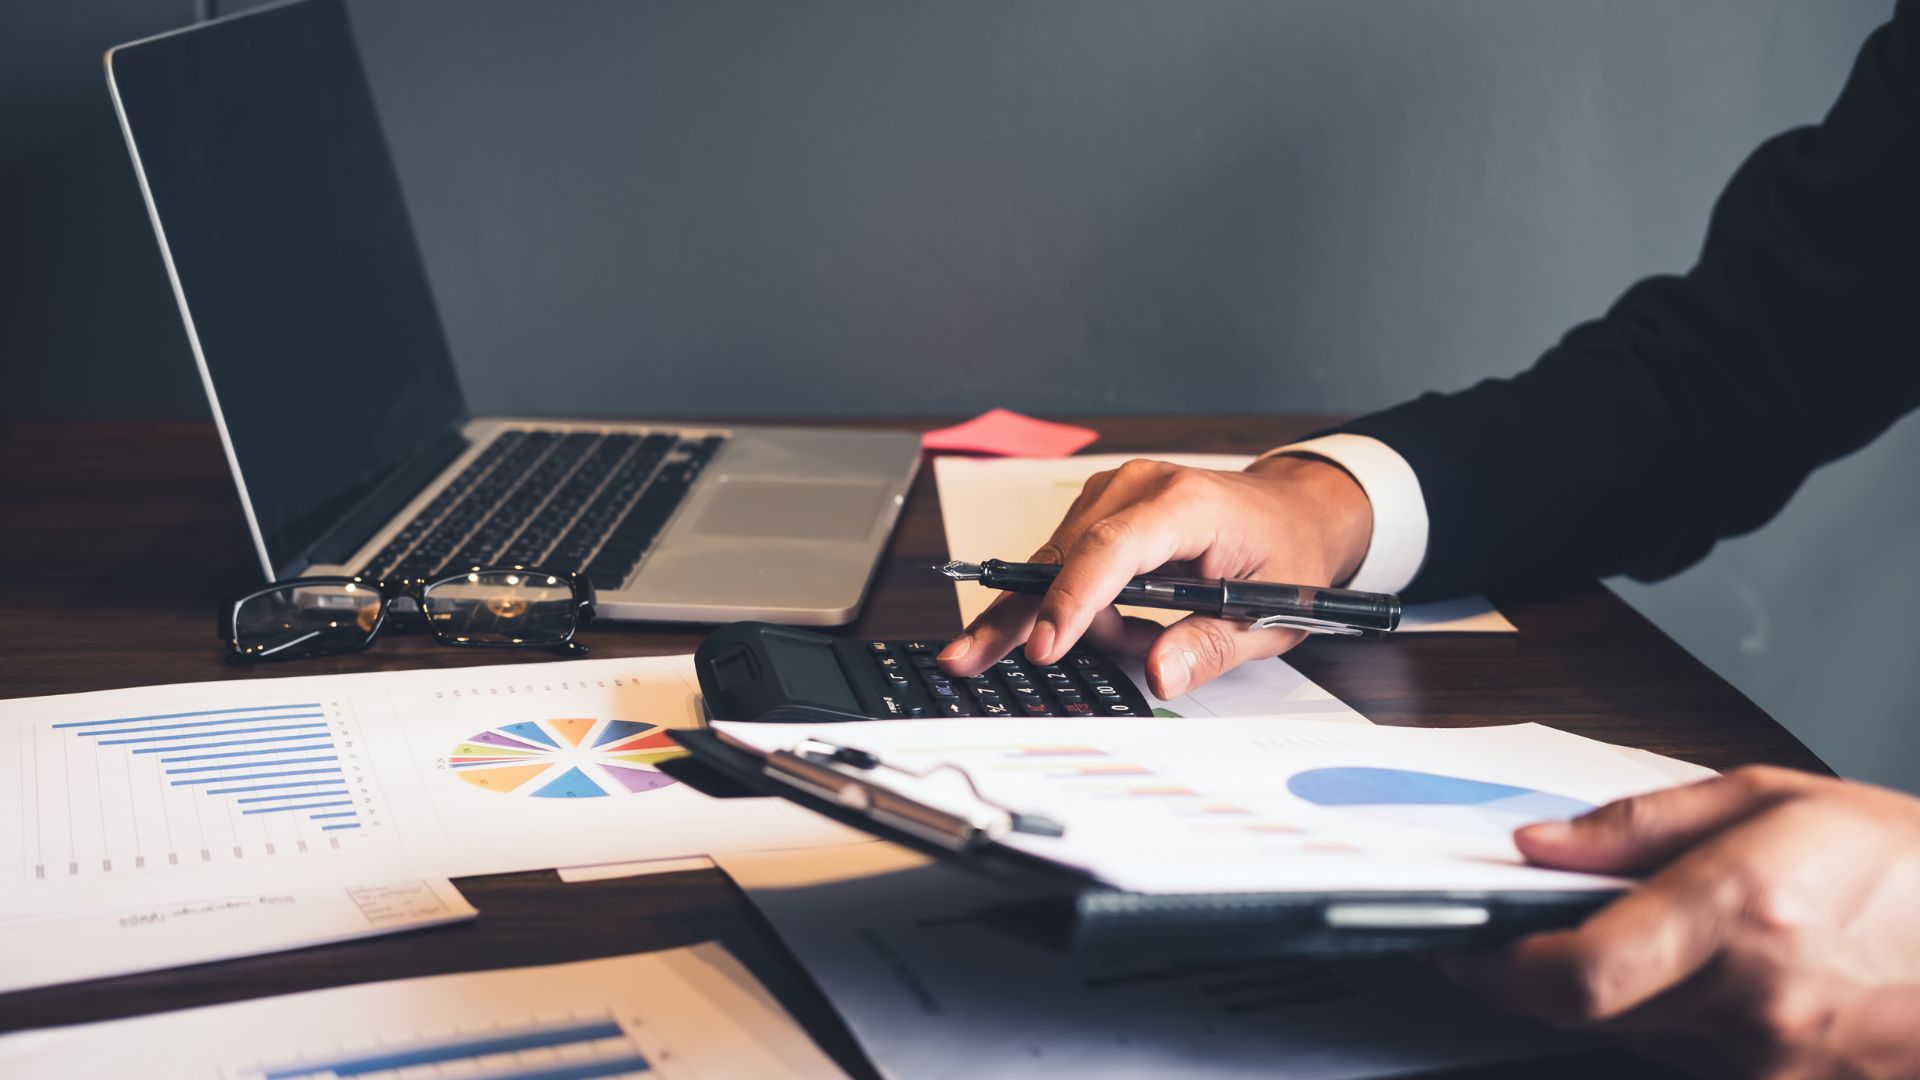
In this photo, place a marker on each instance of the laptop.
(307, 306)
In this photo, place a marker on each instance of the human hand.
(1288, 519)
(1779, 934)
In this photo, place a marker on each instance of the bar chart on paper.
(222, 783)
(593, 1046)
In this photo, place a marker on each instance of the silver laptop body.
(306, 304)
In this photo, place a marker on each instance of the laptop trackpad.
(792, 509)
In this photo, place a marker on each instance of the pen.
(1265, 604)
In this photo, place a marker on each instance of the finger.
(1118, 635)
(1008, 620)
(1647, 942)
(1108, 554)
(1633, 836)
(993, 634)
(1199, 649)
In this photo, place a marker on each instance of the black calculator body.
(759, 671)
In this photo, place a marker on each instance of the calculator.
(759, 671)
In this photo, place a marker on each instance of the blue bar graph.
(202, 735)
(180, 715)
(282, 756)
(200, 723)
(297, 740)
(625, 1059)
(289, 795)
(291, 809)
(250, 765)
(262, 776)
(269, 787)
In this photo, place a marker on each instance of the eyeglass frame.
(414, 589)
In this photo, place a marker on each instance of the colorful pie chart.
(566, 758)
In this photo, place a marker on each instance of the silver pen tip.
(961, 571)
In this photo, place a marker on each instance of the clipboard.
(1072, 911)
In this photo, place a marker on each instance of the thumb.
(1639, 834)
(1198, 649)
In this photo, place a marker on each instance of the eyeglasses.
(489, 607)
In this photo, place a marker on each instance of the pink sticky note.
(1007, 433)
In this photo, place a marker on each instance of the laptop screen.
(278, 203)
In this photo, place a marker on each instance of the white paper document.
(644, 868)
(692, 1013)
(1269, 687)
(43, 952)
(1254, 803)
(1007, 508)
(211, 790)
(934, 993)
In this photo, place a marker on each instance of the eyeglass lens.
(502, 607)
(306, 620)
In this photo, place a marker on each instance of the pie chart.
(1431, 800)
(566, 758)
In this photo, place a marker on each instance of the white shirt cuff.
(1398, 546)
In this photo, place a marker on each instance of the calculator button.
(978, 682)
(1035, 708)
(1079, 709)
(1070, 697)
(1083, 661)
(1119, 708)
(896, 678)
(987, 697)
(916, 710)
(923, 661)
(1107, 690)
(953, 708)
(994, 708)
(878, 648)
(1027, 693)
(889, 662)
(917, 647)
(1058, 680)
(943, 690)
(894, 708)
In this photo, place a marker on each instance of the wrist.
(1338, 505)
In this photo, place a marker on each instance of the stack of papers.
(227, 818)
(1254, 804)
(933, 991)
(684, 1013)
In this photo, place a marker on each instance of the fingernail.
(957, 648)
(1176, 670)
(1548, 832)
(1040, 642)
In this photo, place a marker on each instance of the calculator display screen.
(809, 673)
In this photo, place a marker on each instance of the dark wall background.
(660, 207)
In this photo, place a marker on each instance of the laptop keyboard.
(559, 500)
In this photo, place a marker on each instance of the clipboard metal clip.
(834, 772)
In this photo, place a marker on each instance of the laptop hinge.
(356, 526)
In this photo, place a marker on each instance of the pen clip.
(1310, 625)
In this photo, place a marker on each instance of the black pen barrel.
(1372, 612)
(1364, 610)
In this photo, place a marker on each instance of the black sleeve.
(1695, 407)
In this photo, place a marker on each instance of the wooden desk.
(117, 537)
